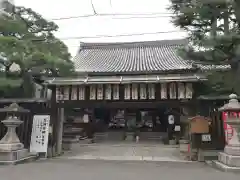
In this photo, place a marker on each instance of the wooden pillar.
(53, 119)
(59, 126)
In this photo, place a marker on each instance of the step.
(108, 136)
(223, 167)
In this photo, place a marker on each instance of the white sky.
(94, 26)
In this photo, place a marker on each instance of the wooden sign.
(127, 91)
(163, 91)
(92, 92)
(151, 91)
(143, 91)
(172, 91)
(81, 95)
(181, 91)
(115, 92)
(100, 92)
(134, 91)
(66, 93)
(189, 91)
(74, 93)
(59, 95)
(199, 125)
(108, 92)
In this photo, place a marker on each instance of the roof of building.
(148, 56)
(126, 79)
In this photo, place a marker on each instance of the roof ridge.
(93, 45)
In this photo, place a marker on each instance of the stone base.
(14, 157)
(11, 147)
(233, 150)
(172, 142)
(183, 145)
(229, 160)
(225, 168)
(205, 155)
(129, 137)
(69, 144)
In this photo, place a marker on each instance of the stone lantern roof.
(232, 105)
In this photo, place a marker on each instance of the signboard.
(39, 137)
(81, 95)
(164, 91)
(181, 91)
(100, 92)
(115, 92)
(92, 92)
(143, 91)
(189, 91)
(173, 92)
(134, 91)
(127, 93)
(74, 93)
(151, 91)
(199, 125)
(206, 137)
(177, 128)
(108, 92)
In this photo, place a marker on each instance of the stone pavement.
(63, 169)
(126, 152)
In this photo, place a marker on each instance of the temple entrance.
(117, 124)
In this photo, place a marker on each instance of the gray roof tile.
(131, 57)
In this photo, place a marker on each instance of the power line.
(146, 15)
(109, 36)
(119, 35)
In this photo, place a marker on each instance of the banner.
(39, 137)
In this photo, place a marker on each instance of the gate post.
(60, 122)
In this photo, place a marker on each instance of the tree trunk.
(28, 85)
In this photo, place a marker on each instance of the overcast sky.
(95, 26)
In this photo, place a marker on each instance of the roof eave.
(126, 79)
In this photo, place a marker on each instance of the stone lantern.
(11, 149)
(229, 160)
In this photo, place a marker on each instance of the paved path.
(130, 152)
(60, 169)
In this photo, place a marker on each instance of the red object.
(188, 148)
(228, 129)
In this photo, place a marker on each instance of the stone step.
(108, 136)
(229, 160)
(145, 136)
(223, 167)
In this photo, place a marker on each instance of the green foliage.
(214, 33)
(27, 39)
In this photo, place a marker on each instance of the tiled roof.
(213, 67)
(146, 56)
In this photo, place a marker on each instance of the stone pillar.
(229, 160)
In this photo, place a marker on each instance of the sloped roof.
(148, 56)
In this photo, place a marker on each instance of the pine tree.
(213, 28)
(27, 40)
